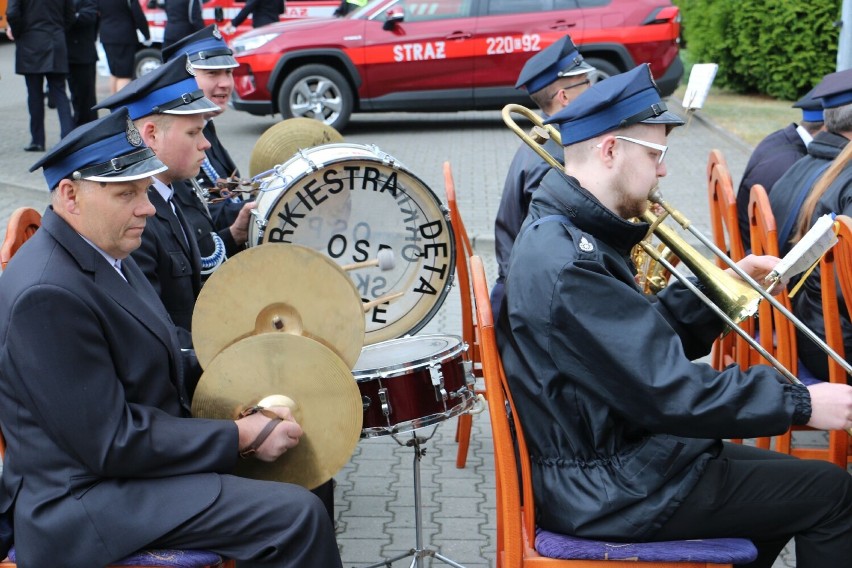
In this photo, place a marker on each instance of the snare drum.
(412, 382)
(349, 201)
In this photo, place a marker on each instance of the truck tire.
(319, 92)
(603, 68)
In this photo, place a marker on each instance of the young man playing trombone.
(624, 429)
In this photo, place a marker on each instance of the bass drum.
(350, 201)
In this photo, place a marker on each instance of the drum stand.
(419, 552)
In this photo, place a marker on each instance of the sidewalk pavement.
(375, 491)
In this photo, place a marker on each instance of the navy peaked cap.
(835, 89)
(811, 107)
(169, 89)
(109, 149)
(206, 49)
(616, 102)
(559, 59)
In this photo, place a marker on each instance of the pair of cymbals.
(283, 320)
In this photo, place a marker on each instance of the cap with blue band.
(205, 48)
(835, 89)
(559, 59)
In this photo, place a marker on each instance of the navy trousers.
(35, 103)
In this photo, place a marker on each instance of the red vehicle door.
(429, 49)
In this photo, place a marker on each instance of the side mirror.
(219, 14)
(393, 16)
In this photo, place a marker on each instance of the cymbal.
(283, 288)
(281, 141)
(326, 402)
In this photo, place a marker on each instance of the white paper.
(700, 80)
(815, 243)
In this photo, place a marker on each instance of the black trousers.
(770, 498)
(266, 523)
(35, 103)
(82, 79)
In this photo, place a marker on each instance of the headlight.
(243, 43)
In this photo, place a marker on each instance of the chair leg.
(463, 437)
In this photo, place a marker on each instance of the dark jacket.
(262, 12)
(101, 457)
(807, 304)
(220, 159)
(786, 196)
(525, 173)
(83, 34)
(39, 28)
(171, 263)
(120, 19)
(620, 422)
(183, 17)
(771, 158)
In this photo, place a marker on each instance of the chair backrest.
(464, 251)
(22, 225)
(836, 271)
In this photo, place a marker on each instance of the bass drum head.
(349, 201)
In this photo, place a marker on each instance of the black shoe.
(34, 148)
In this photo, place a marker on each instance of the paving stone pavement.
(374, 498)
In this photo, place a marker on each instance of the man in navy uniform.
(103, 457)
(789, 192)
(553, 78)
(624, 430)
(212, 223)
(775, 154)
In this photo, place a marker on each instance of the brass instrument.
(731, 299)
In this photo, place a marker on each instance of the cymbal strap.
(264, 434)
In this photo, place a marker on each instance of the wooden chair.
(464, 250)
(778, 334)
(517, 539)
(22, 225)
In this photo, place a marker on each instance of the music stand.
(419, 551)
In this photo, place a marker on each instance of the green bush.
(778, 47)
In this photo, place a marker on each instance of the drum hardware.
(278, 289)
(282, 140)
(276, 369)
(419, 552)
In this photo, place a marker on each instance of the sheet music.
(700, 80)
(805, 253)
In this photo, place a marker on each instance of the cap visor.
(142, 169)
(578, 69)
(198, 106)
(667, 117)
(217, 62)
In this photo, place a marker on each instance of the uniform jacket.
(771, 158)
(219, 158)
(620, 423)
(262, 12)
(171, 263)
(183, 17)
(83, 34)
(102, 458)
(39, 28)
(807, 304)
(822, 150)
(120, 19)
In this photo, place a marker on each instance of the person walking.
(82, 61)
(120, 20)
(183, 18)
(38, 29)
(263, 12)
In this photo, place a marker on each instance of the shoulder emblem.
(585, 245)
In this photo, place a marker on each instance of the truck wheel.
(319, 92)
(146, 60)
(603, 68)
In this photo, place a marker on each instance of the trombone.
(737, 298)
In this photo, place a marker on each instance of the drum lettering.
(368, 286)
(287, 216)
(309, 205)
(360, 248)
(412, 213)
(336, 239)
(442, 272)
(361, 281)
(390, 184)
(379, 311)
(425, 229)
(337, 186)
(379, 286)
(425, 288)
(440, 248)
(413, 234)
(361, 231)
(352, 171)
(312, 193)
(371, 175)
(411, 253)
(277, 235)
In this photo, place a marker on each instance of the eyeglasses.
(659, 147)
(580, 84)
